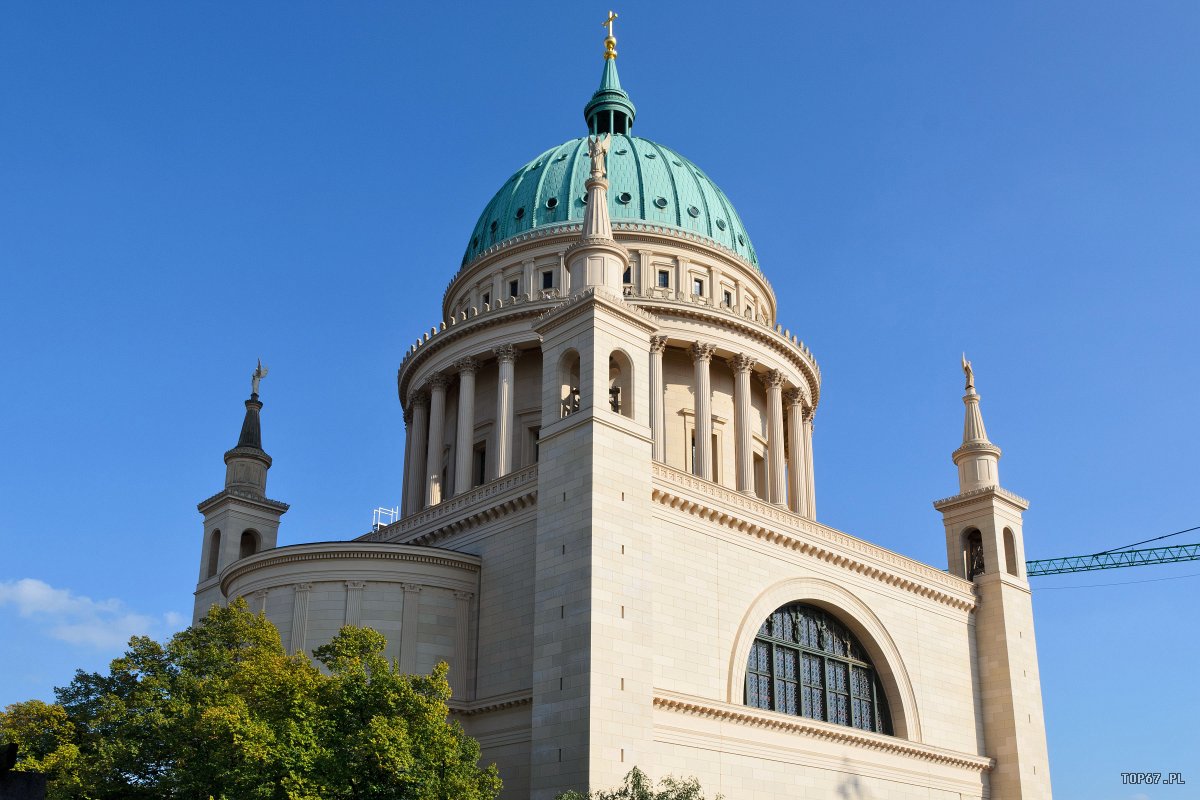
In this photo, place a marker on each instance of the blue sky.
(187, 187)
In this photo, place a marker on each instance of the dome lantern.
(610, 110)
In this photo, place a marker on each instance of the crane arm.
(1114, 559)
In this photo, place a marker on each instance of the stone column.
(259, 604)
(797, 484)
(465, 439)
(774, 383)
(354, 592)
(646, 279)
(299, 617)
(742, 365)
(658, 426)
(437, 432)
(410, 617)
(810, 495)
(506, 356)
(415, 476)
(702, 385)
(527, 280)
(405, 494)
(460, 669)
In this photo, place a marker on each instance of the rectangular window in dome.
(514, 288)
(727, 296)
(548, 279)
(664, 279)
(698, 287)
(487, 298)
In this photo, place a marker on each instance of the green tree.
(222, 711)
(45, 743)
(637, 786)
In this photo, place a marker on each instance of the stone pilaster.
(415, 477)
(797, 482)
(354, 592)
(410, 618)
(658, 426)
(460, 670)
(299, 617)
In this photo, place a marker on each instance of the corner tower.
(240, 520)
(984, 544)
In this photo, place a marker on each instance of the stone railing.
(513, 491)
(779, 526)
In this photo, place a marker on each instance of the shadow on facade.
(851, 787)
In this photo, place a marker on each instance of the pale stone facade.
(609, 487)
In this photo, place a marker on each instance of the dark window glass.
(664, 279)
(805, 662)
(547, 280)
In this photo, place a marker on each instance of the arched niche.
(858, 618)
(620, 383)
(972, 553)
(249, 544)
(1010, 553)
(214, 554)
(568, 380)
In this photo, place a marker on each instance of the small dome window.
(624, 197)
(676, 163)
(721, 224)
(495, 225)
(583, 199)
(538, 165)
(521, 212)
(651, 155)
(741, 239)
(661, 202)
(475, 242)
(621, 152)
(693, 211)
(562, 157)
(552, 202)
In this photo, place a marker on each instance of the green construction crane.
(1111, 559)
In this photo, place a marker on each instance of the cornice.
(488, 705)
(578, 303)
(840, 734)
(731, 509)
(355, 549)
(965, 497)
(777, 338)
(501, 497)
(244, 497)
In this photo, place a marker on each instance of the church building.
(609, 525)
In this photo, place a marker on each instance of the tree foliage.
(638, 786)
(222, 711)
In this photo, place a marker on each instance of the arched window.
(620, 383)
(214, 554)
(805, 662)
(568, 378)
(249, 544)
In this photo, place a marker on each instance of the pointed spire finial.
(610, 41)
(977, 458)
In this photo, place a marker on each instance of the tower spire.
(610, 110)
(247, 463)
(977, 458)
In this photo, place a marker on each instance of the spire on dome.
(610, 110)
(978, 460)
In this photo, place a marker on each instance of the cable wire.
(1122, 583)
(1146, 541)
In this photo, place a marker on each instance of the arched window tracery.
(805, 662)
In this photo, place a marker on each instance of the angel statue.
(598, 150)
(259, 374)
(970, 373)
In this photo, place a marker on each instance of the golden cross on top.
(608, 23)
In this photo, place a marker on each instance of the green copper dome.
(648, 183)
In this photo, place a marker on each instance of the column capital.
(773, 379)
(467, 364)
(356, 584)
(701, 351)
(437, 381)
(742, 363)
(303, 587)
(658, 344)
(419, 398)
(794, 397)
(463, 595)
(410, 587)
(506, 353)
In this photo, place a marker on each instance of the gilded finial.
(610, 41)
